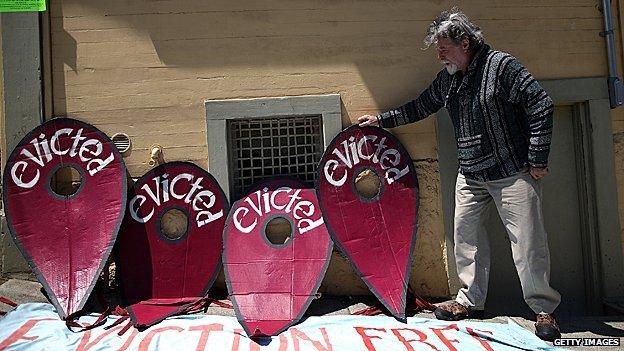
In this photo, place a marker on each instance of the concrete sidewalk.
(23, 291)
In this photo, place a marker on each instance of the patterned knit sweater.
(501, 115)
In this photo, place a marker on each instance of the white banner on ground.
(38, 327)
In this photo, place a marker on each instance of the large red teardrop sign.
(272, 284)
(65, 237)
(171, 241)
(377, 231)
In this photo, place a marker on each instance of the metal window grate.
(262, 148)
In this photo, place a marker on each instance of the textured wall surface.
(617, 116)
(146, 67)
(618, 145)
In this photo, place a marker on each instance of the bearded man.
(503, 125)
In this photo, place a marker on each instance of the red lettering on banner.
(20, 333)
(297, 334)
(144, 345)
(237, 336)
(133, 334)
(84, 341)
(421, 338)
(253, 346)
(205, 332)
(446, 341)
(367, 338)
(283, 343)
(482, 339)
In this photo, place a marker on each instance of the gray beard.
(451, 68)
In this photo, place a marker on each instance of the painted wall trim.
(22, 104)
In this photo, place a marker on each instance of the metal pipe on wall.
(616, 89)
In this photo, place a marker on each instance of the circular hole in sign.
(367, 184)
(65, 181)
(173, 224)
(278, 231)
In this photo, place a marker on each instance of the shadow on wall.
(345, 45)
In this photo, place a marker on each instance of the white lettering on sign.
(263, 202)
(354, 151)
(202, 200)
(88, 150)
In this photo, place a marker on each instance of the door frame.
(600, 232)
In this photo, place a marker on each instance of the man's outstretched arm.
(430, 101)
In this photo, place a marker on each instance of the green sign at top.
(22, 5)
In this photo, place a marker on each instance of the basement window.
(250, 140)
(262, 148)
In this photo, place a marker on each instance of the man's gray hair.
(456, 26)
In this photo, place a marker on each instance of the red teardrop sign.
(171, 241)
(376, 230)
(66, 235)
(272, 284)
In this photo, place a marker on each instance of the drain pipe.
(616, 89)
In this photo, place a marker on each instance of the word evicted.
(354, 151)
(202, 200)
(44, 149)
(266, 202)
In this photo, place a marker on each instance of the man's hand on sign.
(368, 120)
(538, 173)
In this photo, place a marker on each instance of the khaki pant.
(518, 201)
